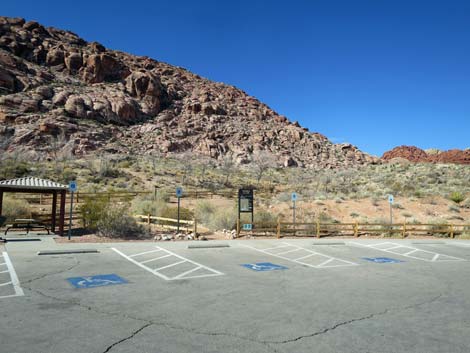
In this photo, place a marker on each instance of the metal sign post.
(294, 199)
(72, 189)
(179, 193)
(390, 201)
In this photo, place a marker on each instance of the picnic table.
(26, 223)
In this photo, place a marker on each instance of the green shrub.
(92, 210)
(263, 216)
(457, 197)
(354, 214)
(115, 222)
(453, 208)
(145, 206)
(438, 227)
(15, 208)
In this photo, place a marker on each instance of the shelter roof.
(31, 183)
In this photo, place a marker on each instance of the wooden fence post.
(318, 229)
(452, 231)
(195, 227)
(404, 230)
(238, 227)
(278, 228)
(356, 230)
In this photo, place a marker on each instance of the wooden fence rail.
(319, 229)
(169, 223)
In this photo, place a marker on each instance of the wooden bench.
(27, 224)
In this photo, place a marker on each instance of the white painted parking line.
(418, 254)
(143, 253)
(180, 260)
(14, 282)
(316, 259)
(155, 259)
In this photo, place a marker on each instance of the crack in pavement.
(328, 329)
(127, 338)
(77, 262)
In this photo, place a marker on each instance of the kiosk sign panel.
(245, 199)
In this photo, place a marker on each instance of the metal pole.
(293, 213)
(391, 219)
(178, 228)
(70, 219)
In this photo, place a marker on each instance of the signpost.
(245, 205)
(294, 199)
(179, 194)
(390, 201)
(72, 188)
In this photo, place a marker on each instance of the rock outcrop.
(58, 91)
(417, 155)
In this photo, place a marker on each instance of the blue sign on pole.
(390, 199)
(294, 196)
(73, 186)
(247, 226)
(264, 266)
(96, 281)
(179, 192)
(382, 260)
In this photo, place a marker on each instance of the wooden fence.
(169, 223)
(319, 229)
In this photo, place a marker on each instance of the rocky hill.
(61, 94)
(417, 155)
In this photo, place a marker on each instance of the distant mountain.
(415, 154)
(61, 94)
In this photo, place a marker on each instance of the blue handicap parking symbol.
(382, 260)
(96, 281)
(264, 266)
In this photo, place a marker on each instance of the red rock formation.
(417, 155)
(54, 83)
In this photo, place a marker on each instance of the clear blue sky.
(374, 73)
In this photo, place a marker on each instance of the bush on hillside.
(115, 222)
(15, 208)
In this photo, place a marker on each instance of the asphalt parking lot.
(287, 295)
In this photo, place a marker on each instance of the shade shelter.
(41, 186)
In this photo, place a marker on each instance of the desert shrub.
(457, 197)
(437, 226)
(146, 205)
(205, 211)
(15, 208)
(354, 214)
(172, 212)
(115, 222)
(407, 215)
(466, 203)
(283, 197)
(263, 216)
(324, 217)
(92, 210)
(453, 208)
(13, 168)
(224, 218)
(398, 206)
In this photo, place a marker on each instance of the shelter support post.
(54, 211)
(62, 213)
(1, 202)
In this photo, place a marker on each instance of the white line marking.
(434, 259)
(304, 257)
(286, 252)
(3, 263)
(276, 247)
(188, 272)
(4, 271)
(14, 278)
(171, 265)
(312, 253)
(140, 265)
(326, 262)
(5, 284)
(157, 258)
(143, 253)
(177, 277)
